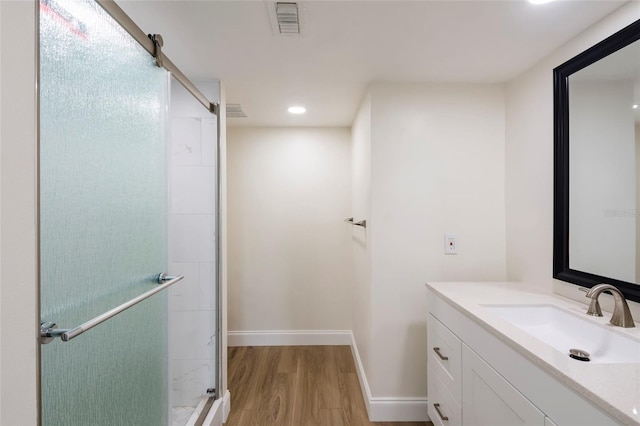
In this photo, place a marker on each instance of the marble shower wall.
(192, 304)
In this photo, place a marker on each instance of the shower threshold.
(192, 416)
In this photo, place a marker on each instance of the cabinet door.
(489, 400)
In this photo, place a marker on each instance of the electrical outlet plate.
(450, 244)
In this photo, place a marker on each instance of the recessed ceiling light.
(540, 1)
(635, 106)
(297, 110)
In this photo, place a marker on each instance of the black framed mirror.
(597, 165)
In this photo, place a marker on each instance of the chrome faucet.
(621, 313)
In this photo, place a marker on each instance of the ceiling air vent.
(235, 110)
(287, 16)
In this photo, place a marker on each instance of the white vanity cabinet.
(486, 397)
(475, 379)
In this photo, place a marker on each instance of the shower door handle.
(48, 331)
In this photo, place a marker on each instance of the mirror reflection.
(604, 177)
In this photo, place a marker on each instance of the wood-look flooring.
(296, 386)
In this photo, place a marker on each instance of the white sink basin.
(563, 330)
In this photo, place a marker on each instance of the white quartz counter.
(615, 388)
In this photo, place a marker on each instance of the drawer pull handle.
(437, 407)
(442, 357)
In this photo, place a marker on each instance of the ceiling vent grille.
(235, 111)
(287, 16)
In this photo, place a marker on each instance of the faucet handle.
(594, 306)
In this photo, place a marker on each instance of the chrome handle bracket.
(48, 332)
(46, 329)
(162, 277)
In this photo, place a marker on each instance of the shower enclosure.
(105, 228)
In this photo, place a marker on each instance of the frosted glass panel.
(103, 206)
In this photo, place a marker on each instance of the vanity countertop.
(615, 388)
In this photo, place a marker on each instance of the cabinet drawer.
(443, 409)
(445, 357)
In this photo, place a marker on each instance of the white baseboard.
(398, 410)
(388, 409)
(289, 338)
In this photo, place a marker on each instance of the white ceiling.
(350, 43)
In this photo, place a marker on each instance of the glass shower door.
(103, 219)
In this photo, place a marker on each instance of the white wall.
(361, 245)
(289, 249)
(437, 162)
(18, 248)
(192, 302)
(529, 159)
(602, 178)
(437, 167)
